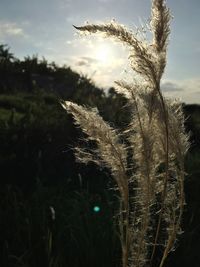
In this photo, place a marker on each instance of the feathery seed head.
(152, 196)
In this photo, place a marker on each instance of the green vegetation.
(38, 171)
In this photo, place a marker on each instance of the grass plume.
(156, 139)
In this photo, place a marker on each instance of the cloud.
(192, 84)
(171, 87)
(68, 42)
(90, 59)
(191, 90)
(187, 90)
(10, 29)
(81, 63)
(86, 61)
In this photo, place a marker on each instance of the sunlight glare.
(103, 54)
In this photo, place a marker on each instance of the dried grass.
(156, 138)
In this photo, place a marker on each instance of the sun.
(103, 54)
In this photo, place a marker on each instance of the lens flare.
(96, 208)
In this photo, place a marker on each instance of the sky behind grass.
(44, 27)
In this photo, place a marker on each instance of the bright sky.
(44, 27)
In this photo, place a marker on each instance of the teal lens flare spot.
(96, 208)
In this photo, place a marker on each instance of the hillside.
(39, 172)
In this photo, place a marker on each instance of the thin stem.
(124, 208)
(147, 204)
(176, 225)
(165, 113)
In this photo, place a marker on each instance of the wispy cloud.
(170, 87)
(8, 29)
(187, 90)
(86, 61)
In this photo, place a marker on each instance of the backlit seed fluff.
(152, 192)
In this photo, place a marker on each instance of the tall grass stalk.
(150, 217)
